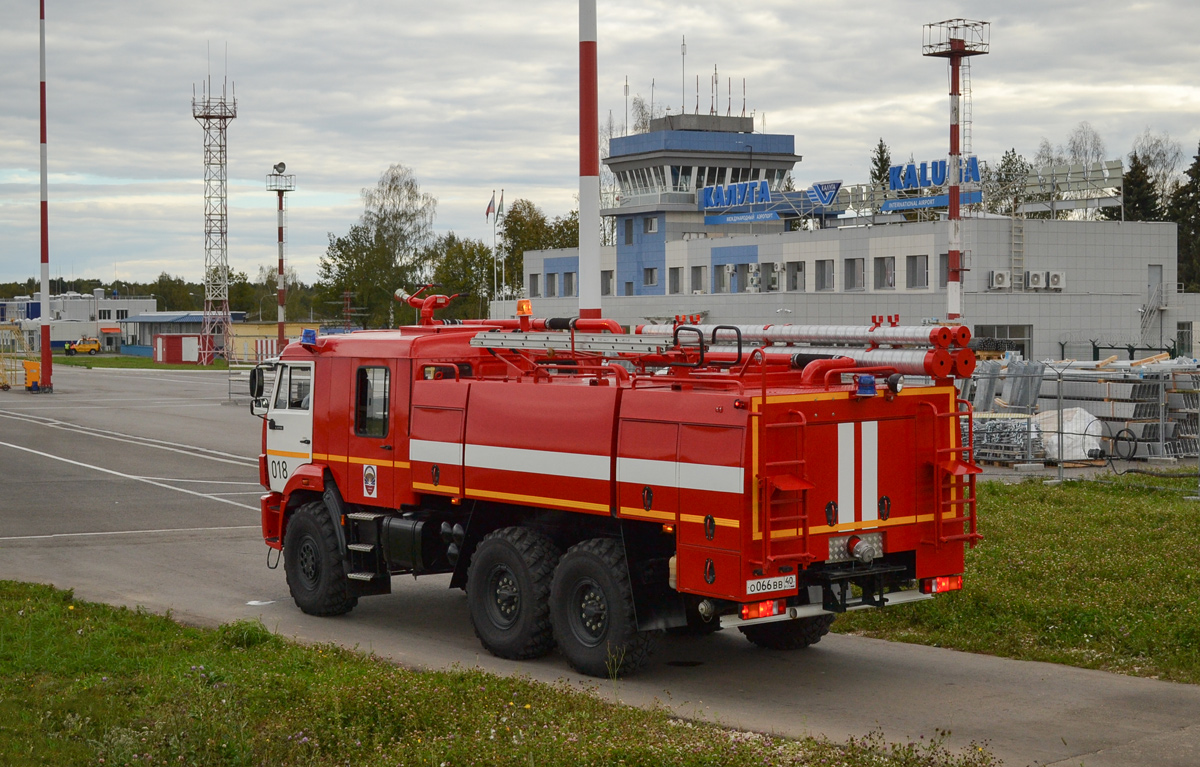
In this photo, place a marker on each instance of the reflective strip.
(286, 454)
(642, 471)
(435, 452)
(574, 465)
(846, 484)
(718, 521)
(717, 479)
(870, 470)
(629, 511)
(538, 500)
(686, 476)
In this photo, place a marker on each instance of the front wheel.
(789, 635)
(593, 614)
(312, 561)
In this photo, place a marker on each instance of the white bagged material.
(1081, 433)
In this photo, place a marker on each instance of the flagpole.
(503, 262)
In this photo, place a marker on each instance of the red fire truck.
(590, 488)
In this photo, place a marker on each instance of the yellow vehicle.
(85, 344)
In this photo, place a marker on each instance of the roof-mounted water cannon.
(428, 304)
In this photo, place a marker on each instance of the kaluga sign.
(730, 195)
(926, 174)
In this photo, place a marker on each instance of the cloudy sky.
(480, 96)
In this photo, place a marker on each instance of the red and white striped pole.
(589, 165)
(280, 285)
(954, 258)
(46, 384)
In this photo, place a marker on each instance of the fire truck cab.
(589, 489)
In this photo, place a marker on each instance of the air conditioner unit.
(731, 268)
(1057, 281)
(1035, 280)
(697, 292)
(999, 279)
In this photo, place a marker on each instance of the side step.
(366, 566)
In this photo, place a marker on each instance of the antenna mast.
(214, 114)
(683, 76)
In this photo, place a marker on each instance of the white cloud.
(476, 97)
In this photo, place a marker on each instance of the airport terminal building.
(706, 225)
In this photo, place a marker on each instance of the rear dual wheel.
(592, 610)
(789, 635)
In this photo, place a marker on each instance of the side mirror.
(256, 383)
(258, 406)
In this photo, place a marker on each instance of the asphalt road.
(140, 488)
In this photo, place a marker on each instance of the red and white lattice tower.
(46, 384)
(214, 113)
(955, 39)
(280, 184)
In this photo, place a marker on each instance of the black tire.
(92, 352)
(593, 614)
(312, 561)
(508, 592)
(789, 635)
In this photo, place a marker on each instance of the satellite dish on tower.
(280, 167)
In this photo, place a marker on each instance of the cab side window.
(371, 402)
(294, 389)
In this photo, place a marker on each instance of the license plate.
(767, 585)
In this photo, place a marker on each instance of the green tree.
(1004, 183)
(1184, 210)
(362, 264)
(463, 266)
(1141, 196)
(881, 163)
(525, 227)
(389, 248)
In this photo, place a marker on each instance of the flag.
(491, 206)
(500, 207)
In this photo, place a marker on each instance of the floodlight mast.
(955, 39)
(279, 183)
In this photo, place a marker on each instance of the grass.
(90, 684)
(129, 361)
(1093, 574)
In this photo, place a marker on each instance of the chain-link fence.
(1063, 412)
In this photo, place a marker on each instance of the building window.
(699, 279)
(649, 225)
(795, 275)
(568, 283)
(675, 277)
(606, 282)
(650, 276)
(917, 272)
(122, 314)
(1018, 337)
(629, 231)
(551, 284)
(1183, 338)
(885, 273)
(825, 274)
(371, 403)
(534, 291)
(767, 279)
(943, 270)
(105, 314)
(629, 288)
(855, 278)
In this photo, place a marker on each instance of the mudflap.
(648, 554)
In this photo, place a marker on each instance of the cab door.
(370, 454)
(289, 423)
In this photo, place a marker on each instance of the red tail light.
(763, 609)
(940, 584)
